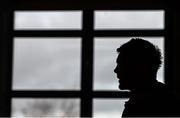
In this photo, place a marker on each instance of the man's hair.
(142, 52)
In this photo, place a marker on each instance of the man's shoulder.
(159, 88)
(161, 91)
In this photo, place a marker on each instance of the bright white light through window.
(46, 63)
(108, 108)
(23, 108)
(135, 19)
(48, 20)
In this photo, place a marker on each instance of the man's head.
(137, 64)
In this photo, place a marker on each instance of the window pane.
(46, 63)
(108, 108)
(105, 61)
(129, 19)
(47, 20)
(45, 107)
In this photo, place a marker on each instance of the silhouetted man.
(137, 65)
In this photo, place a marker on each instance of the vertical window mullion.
(169, 50)
(87, 64)
(6, 49)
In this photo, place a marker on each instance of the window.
(48, 20)
(134, 19)
(53, 63)
(45, 107)
(111, 108)
(46, 63)
(55, 38)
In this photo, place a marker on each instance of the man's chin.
(122, 87)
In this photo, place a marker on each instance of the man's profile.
(137, 65)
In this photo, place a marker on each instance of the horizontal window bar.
(89, 4)
(69, 94)
(115, 33)
(111, 94)
(46, 94)
(34, 33)
(99, 33)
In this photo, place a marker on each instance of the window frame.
(87, 34)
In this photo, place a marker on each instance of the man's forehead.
(122, 57)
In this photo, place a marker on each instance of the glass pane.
(45, 108)
(46, 63)
(108, 108)
(105, 61)
(129, 19)
(47, 20)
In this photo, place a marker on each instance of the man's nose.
(115, 70)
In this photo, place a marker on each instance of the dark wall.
(5, 56)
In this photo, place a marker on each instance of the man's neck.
(145, 88)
